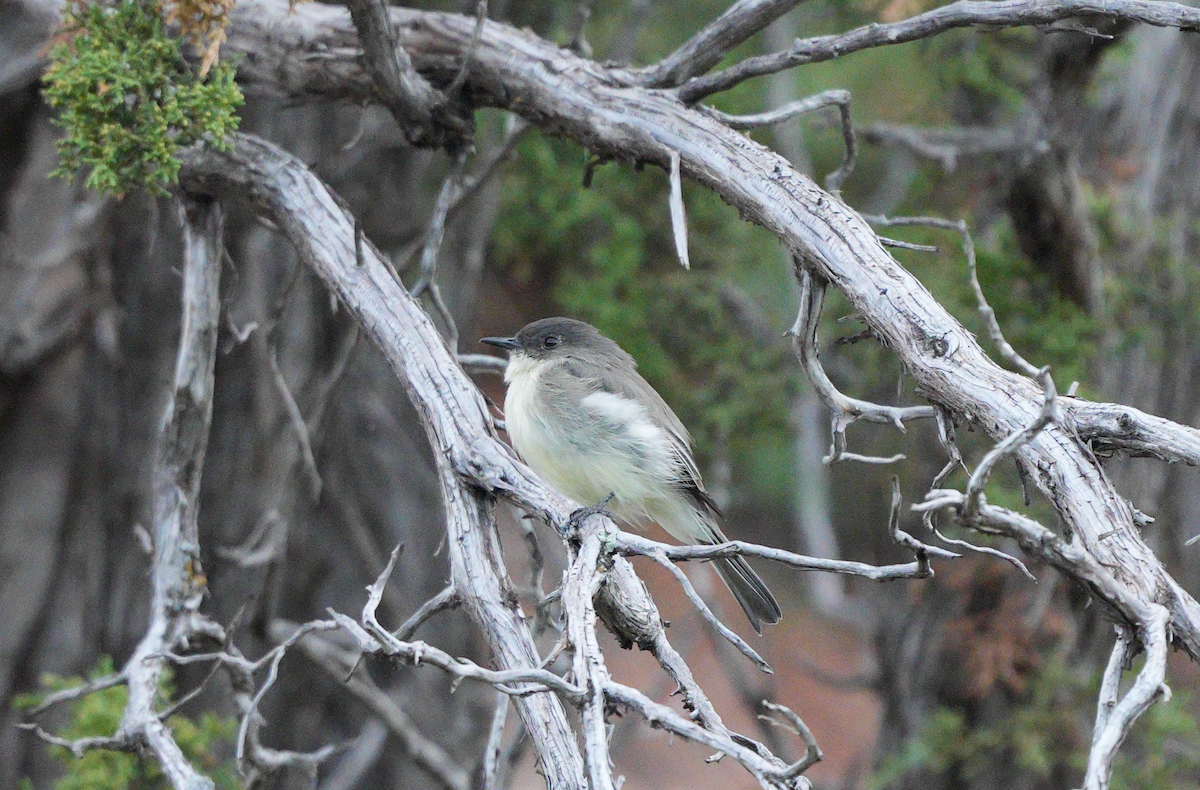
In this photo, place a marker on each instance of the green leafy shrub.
(1049, 734)
(127, 98)
(99, 714)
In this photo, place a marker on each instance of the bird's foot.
(576, 519)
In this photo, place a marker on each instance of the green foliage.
(99, 714)
(128, 100)
(1041, 734)
(991, 73)
(1048, 734)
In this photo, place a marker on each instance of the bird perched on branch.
(583, 418)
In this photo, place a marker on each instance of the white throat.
(523, 368)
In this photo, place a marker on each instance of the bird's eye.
(551, 341)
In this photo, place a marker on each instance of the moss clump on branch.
(128, 100)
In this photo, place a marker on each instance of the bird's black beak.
(511, 343)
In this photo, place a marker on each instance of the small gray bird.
(583, 418)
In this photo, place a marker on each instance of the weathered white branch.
(491, 752)
(846, 410)
(1113, 721)
(678, 215)
(830, 98)
(178, 583)
(447, 598)
(1113, 427)
(423, 112)
(771, 772)
(581, 582)
(812, 751)
(628, 543)
(705, 49)
(947, 145)
(428, 283)
(990, 14)
(373, 637)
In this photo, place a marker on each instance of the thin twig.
(296, 419)
(705, 49)
(988, 550)
(846, 410)
(830, 98)
(423, 112)
(491, 752)
(993, 15)
(947, 145)
(481, 11)
(662, 559)
(812, 753)
(92, 686)
(373, 637)
(428, 282)
(338, 663)
(448, 598)
(628, 544)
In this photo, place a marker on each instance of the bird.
(581, 416)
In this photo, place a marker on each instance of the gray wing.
(623, 379)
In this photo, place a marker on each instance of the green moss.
(129, 101)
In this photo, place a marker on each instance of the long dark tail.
(749, 591)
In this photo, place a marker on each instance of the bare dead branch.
(581, 582)
(578, 101)
(628, 544)
(323, 234)
(491, 753)
(1113, 721)
(340, 665)
(374, 638)
(989, 551)
(846, 410)
(178, 583)
(423, 112)
(483, 363)
(812, 753)
(947, 146)
(830, 98)
(992, 15)
(906, 245)
(481, 11)
(296, 419)
(770, 771)
(705, 49)
(1111, 427)
(428, 283)
(66, 695)
(470, 184)
(81, 746)
(448, 598)
(630, 613)
(707, 613)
